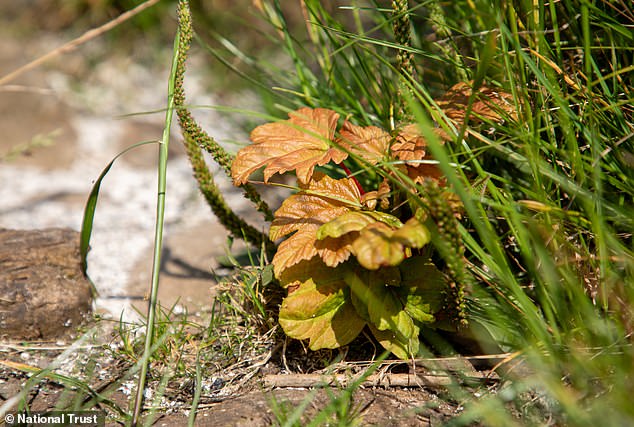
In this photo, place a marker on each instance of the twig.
(28, 347)
(375, 380)
(73, 44)
(26, 89)
(448, 363)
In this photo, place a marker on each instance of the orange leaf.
(300, 144)
(411, 147)
(375, 247)
(320, 201)
(489, 103)
(334, 251)
(300, 246)
(371, 142)
(303, 245)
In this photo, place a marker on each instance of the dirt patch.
(223, 401)
(62, 124)
(369, 407)
(188, 261)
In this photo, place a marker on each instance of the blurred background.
(63, 121)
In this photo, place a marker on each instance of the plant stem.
(356, 181)
(158, 236)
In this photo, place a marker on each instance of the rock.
(43, 293)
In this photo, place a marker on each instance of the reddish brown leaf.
(370, 198)
(383, 194)
(371, 143)
(299, 144)
(411, 147)
(489, 104)
(320, 201)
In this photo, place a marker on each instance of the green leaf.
(422, 288)
(378, 300)
(323, 314)
(368, 280)
(388, 276)
(402, 347)
(385, 310)
(266, 275)
(355, 221)
(417, 307)
(360, 306)
(313, 268)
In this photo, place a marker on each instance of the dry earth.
(67, 120)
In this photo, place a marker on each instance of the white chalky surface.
(33, 198)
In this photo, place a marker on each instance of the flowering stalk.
(195, 137)
(404, 57)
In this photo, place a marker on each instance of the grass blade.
(91, 205)
(158, 238)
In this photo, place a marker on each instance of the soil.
(61, 125)
(225, 401)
